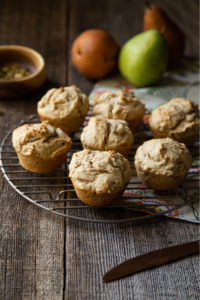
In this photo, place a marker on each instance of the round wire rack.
(54, 192)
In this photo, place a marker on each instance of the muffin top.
(121, 104)
(178, 115)
(103, 134)
(41, 139)
(64, 102)
(163, 157)
(99, 171)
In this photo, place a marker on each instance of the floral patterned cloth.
(182, 81)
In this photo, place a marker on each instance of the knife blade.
(151, 259)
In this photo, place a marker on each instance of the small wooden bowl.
(28, 58)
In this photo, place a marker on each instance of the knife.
(151, 259)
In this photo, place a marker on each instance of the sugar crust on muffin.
(107, 134)
(177, 119)
(99, 177)
(121, 104)
(41, 147)
(64, 107)
(162, 163)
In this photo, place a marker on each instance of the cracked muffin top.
(103, 134)
(178, 115)
(163, 157)
(121, 104)
(41, 139)
(64, 102)
(99, 171)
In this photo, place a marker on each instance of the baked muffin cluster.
(43, 147)
(100, 173)
(117, 115)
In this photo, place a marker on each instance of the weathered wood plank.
(92, 249)
(32, 241)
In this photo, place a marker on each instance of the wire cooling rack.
(54, 192)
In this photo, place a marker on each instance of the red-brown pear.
(156, 18)
(94, 53)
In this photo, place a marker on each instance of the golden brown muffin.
(122, 105)
(162, 163)
(65, 107)
(99, 177)
(41, 147)
(177, 119)
(104, 135)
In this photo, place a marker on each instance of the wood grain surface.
(46, 257)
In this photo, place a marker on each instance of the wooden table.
(47, 257)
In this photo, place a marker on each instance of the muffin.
(177, 119)
(122, 105)
(65, 107)
(99, 177)
(104, 135)
(41, 147)
(162, 163)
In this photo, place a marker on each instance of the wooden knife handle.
(151, 259)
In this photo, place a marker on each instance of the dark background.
(27, 23)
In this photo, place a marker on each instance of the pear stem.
(148, 4)
(163, 30)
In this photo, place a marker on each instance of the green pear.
(143, 59)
